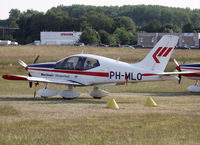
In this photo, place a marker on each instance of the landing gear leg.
(196, 82)
(45, 86)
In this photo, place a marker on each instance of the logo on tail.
(161, 52)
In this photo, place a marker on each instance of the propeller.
(179, 69)
(25, 65)
(177, 64)
(36, 59)
(31, 83)
(22, 63)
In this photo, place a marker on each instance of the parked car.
(79, 44)
(127, 46)
(101, 45)
(14, 43)
(138, 46)
(114, 45)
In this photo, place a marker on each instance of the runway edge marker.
(150, 102)
(112, 104)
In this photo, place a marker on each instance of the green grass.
(7, 110)
(118, 129)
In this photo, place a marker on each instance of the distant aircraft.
(92, 70)
(192, 67)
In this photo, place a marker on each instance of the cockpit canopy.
(77, 63)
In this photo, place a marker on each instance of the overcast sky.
(44, 5)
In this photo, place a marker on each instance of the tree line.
(104, 25)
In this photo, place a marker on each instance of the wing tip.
(13, 77)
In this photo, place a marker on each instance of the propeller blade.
(179, 76)
(36, 59)
(30, 84)
(176, 62)
(22, 63)
(184, 61)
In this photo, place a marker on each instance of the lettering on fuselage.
(54, 75)
(46, 75)
(127, 75)
(61, 76)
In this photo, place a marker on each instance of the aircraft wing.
(174, 73)
(168, 73)
(44, 80)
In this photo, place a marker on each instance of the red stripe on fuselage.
(191, 75)
(98, 74)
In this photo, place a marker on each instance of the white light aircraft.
(98, 71)
(193, 67)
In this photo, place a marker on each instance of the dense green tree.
(90, 36)
(105, 37)
(108, 21)
(123, 37)
(14, 14)
(125, 22)
(188, 28)
(99, 21)
(153, 26)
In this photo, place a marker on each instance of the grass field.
(25, 120)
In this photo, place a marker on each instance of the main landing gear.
(195, 87)
(98, 93)
(70, 94)
(47, 92)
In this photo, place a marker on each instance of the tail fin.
(158, 57)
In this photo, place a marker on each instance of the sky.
(44, 5)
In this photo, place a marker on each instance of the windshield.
(77, 63)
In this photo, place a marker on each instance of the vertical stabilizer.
(158, 57)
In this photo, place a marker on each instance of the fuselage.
(102, 70)
(191, 67)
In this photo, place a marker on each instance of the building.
(59, 38)
(186, 40)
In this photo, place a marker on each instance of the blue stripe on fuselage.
(191, 65)
(43, 65)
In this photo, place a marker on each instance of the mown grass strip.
(7, 110)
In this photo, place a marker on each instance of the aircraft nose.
(178, 68)
(26, 68)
